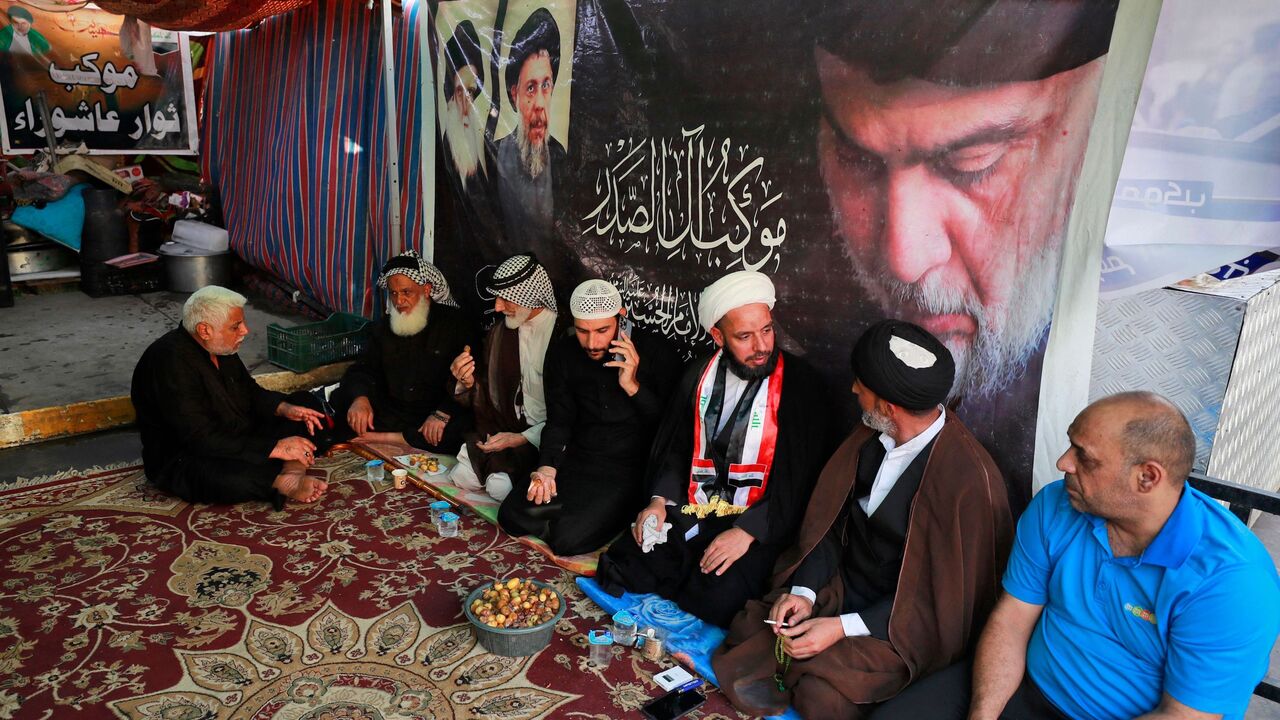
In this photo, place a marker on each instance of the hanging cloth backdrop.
(293, 126)
(914, 159)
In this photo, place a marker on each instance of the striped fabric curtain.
(293, 138)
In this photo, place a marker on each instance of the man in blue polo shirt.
(1128, 593)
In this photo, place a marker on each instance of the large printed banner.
(889, 158)
(95, 80)
(1200, 183)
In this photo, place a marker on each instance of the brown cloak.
(958, 540)
(493, 399)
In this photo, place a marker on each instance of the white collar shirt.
(896, 459)
(535, 335)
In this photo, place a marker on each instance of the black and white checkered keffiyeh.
(520, 279)
(411, 265)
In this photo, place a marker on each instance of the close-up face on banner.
(88, 77)
(909, 160)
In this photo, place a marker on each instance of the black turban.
(463, 49)
(966, 42)
(904, 364)
(20, 13)
(538, 33)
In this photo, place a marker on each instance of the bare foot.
(300, 487)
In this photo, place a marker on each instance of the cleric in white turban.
(606, 386)
(745, 287)
(731, 467)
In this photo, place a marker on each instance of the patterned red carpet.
(118, 601)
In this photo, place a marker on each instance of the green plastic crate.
(303, 347)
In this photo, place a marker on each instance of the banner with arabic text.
(910, 159)
(96, 81)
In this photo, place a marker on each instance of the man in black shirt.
(210, 433)
(605, 388)
(400, 388)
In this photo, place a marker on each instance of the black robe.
(806, 437)
(597, 438)
(407, 379)
(208, 431)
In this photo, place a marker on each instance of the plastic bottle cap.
(440, 505)
(373, 463)
(449, 517)
(622, 617)
(600, 637)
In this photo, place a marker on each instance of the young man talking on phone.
(606, 386)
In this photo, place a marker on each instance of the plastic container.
(600, 648)
(200, 235)
(513, 642)
(400, 478)
(624, 628)
(374, 471)
(449, 525)
(304, 347)
(438, 508)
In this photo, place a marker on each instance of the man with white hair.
(734, 460)
(506, 391)
(464, 125)
(606, 387)
(400, 388)
(210, 433)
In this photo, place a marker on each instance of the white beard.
(520, 318)
(410, 323)
(534, 157)
(464, 142)
(1007, 334)
(876, 421)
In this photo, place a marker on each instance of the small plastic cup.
(374, 471)
(600, 644)
(438, 508)
(624, 628)
(449, 525)
(400, 477)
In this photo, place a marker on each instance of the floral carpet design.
(117, 601)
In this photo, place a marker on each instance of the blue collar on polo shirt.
(1173, 544)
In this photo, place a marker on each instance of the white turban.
(595, 300)
(732, 291)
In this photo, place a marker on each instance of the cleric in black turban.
(904, 364)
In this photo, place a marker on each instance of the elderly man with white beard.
(463, 123)
(399, 389)
(504, 386)
(529, 158)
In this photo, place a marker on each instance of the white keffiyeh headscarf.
(521, 280)
(411, 265)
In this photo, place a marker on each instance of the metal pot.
(39, 257)
(188, 269)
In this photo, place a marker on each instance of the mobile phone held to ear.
(673, 704)
(624, 328)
